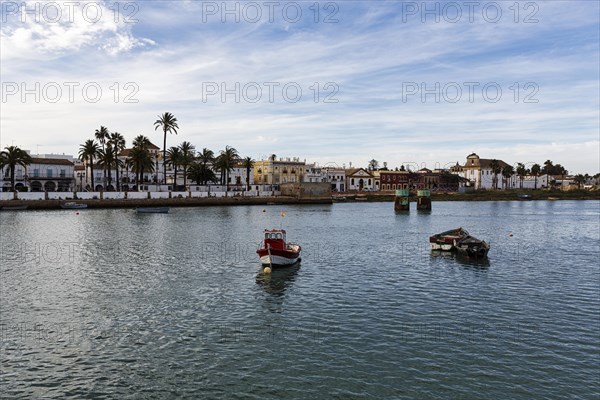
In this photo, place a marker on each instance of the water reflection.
(278, 280)
(477, 263)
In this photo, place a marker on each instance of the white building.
(359, 179)
(47, 172)
(478, 172)
(337, 177)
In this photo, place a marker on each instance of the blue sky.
(373, 59)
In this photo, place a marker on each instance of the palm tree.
(89, 151)
(117, 142)
(535, 171)
(229, 157)
(206, 157)
(102, 135)
(201, 174)
(11, 157)
(248, 163)
(187, 157)
(580, 180)
(140, 159)
(507, 172)
(496, 169)
(106, 158)
(174, 158)
(168, 123)
(522, 172)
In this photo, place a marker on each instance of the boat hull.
(73, 206)
(152, 210)
(277, 257)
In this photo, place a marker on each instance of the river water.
(110, 304)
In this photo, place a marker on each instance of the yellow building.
(282, 170)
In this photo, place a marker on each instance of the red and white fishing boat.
(275, 251)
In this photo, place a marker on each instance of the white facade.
(359, 179)
(337, 178)
(47, 172)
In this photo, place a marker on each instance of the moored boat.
(446, 240)
(472, 247)
(14, 208)
(71, 205)
(275, 251)
(152, 210)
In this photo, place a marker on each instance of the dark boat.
(524, 197)
(446, 240)
(14, 208)
(152, 210)
(472, 247)
(275, 251)
(71, 205)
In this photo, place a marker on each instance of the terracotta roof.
(485, 163)
(51, 161)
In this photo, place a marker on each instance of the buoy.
(510, 234)
(267, 270)
(264, 210)
(77, 213)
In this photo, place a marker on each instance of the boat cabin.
(275, 238)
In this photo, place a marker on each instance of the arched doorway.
(50, 186)
(361, 184)
(36, 186)
(63, 186)
(98, 188)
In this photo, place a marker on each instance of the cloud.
(173, 52)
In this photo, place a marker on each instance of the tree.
(174, 158)
(507, 172)
(102, 135)
(373, 165)
(496, 169)
(117, 142)
(188, 154)
(206, 157)
(229, 157)
(201, 173)
(535, 171)
(11, 157)
(168, 123)
(106, 159)
(580, 180)
(140, 159)
(89, 151)
(248, 163)
(522, 172)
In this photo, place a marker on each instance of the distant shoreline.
(500, 195)
(174, 202)
(279, 200)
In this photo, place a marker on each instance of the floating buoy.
(77, 213)
(510, 234)
(267, 270)
(264, 210)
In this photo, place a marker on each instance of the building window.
(63, 173)
(36, 173)
(352, 181)
(49, 173)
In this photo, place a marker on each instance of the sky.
(340, 82)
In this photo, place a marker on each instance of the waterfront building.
(270, 173)
(359, 179)
(478, 171)
(47, 172)
(336, 176)
(402, 179)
